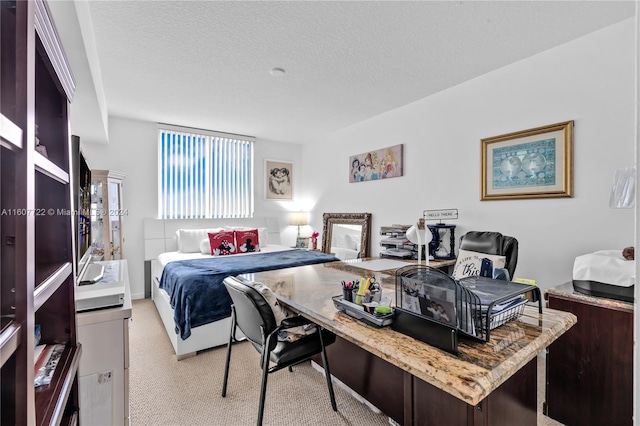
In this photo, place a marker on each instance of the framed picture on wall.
(378, 164)
(534, 163)
(278, 180)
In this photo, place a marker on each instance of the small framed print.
(302, 242)
(534, 163)
(278, 180)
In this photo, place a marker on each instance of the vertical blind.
(204, 175)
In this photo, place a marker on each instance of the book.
(45, 364)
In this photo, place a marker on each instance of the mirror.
(346, 235)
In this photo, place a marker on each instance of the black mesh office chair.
(252, 314)
(492, 243)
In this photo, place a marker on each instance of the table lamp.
(298, 219)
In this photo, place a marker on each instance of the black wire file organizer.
(433, 307)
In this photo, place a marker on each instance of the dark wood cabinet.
(590, 368)
(37, 279)
(411, 401)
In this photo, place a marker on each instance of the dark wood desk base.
(411, 401)
(590, 368)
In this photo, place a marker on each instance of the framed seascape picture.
(534, 163)
(302, 242)
(278, 180)
(374, 165)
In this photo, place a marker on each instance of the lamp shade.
(298, 218)
(623, 191)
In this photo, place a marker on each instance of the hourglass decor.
(534, 163)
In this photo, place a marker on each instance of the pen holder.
(346, 295)
(358, 299)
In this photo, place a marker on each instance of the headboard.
(160, 234)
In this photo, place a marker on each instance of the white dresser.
(104, 364)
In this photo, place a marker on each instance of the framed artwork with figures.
(534, 163)
(278, 180)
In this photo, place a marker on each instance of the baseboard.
(353, 393)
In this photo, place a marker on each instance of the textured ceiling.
(207, 64)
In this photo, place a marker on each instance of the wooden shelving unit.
(37, 279)
(106, 214)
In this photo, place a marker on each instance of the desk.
(410, 381)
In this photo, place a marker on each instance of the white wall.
(590, 80)
(132, 149)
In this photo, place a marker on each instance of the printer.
(100, 286)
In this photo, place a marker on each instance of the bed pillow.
(205, 245)
(263, 236)
(469, 262)
(247, 241)
(222, 243)
(189, 239)
(263, 233)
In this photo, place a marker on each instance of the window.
(204, 174)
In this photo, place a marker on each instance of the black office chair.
(254, 316)
(492, 243)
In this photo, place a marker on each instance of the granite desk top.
(566, 291)
(471, 376)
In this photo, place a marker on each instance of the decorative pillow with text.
(469, 262)
(248, 241)
(222, 243)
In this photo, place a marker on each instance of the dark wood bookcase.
(37, 276)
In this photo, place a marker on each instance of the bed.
(184, 282)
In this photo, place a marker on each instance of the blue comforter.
(195, 287)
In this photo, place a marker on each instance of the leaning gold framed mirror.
(346, 235)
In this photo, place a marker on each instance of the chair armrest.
(291, 322)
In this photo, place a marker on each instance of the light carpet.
(164, 391)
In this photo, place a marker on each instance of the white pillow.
(205, 246)
(263, 236)
(469, 262)
(189, 239)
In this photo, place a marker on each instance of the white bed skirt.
(202, 337)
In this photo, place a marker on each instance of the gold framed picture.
(534, 163)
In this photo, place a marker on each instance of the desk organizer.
(358, 312)
(433, 307)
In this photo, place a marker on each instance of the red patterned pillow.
(247, 240)
(222, 243)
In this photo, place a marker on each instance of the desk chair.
(492, 243)
(254, 316)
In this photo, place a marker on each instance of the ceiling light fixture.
(277, 71)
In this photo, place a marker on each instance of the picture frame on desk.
(533, 163)
(302, 242)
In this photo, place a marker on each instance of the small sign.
(440, 214)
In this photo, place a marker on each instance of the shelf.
(48, 168)
(37, 86)
(10, 133)
(9, 340)
(50, 277)
(50, 400)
